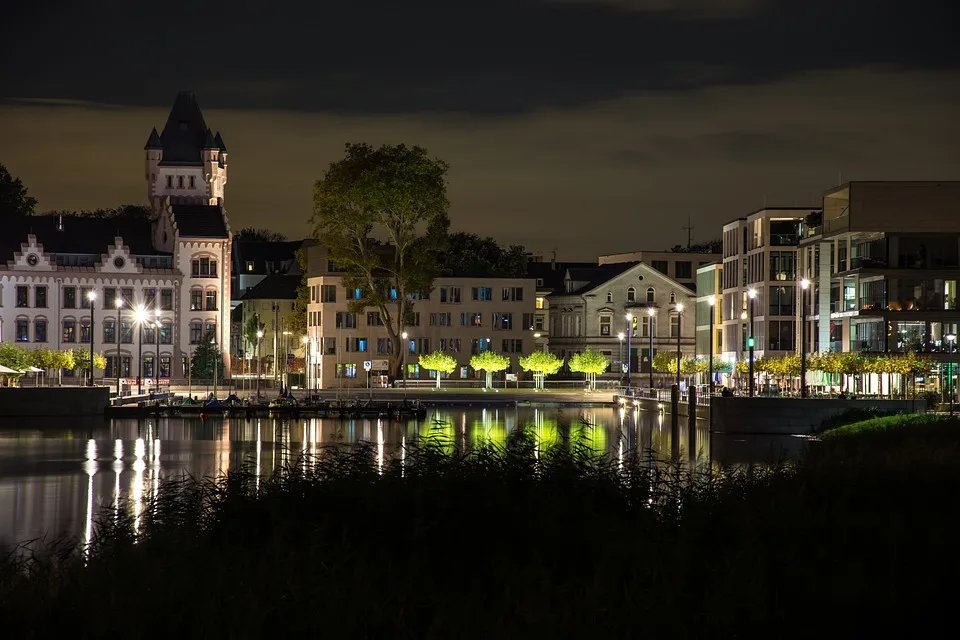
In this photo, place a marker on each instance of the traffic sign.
(367, 365)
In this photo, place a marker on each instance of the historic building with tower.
(146, 289)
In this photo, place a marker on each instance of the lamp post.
(306, 363)
(216, 361)
(286, 349)
(140, 316)
(92, 297)
(629, 331)
(752, 294)
(679, 325)
(405, 347)
(259, 338)
(804, 284)
(620, 358)
(951, 337)
(712, 301)
(650, 312)
(156, 360)
(119, 304)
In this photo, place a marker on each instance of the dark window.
(166, 332)
(23, 330)
(109, 331)
(126, 332)
(69, 331)
(85, 330)
(39, 330)
(203, 268)
(196, 329)
(127, 294)
(40, 297)
(196, 299)
(166, 299)
(69, 297)
(659, 265)
(211, 300)
(23, 295)
(109, 298)
(684, 269)
(328, 293)
(150, 298)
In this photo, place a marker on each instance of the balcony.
(784, 239)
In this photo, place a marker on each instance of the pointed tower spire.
(153, 142)
(219, 142)
(208, 142)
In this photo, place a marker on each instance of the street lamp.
(951, 337)
(752, 294)
(712, 301)
(259, 337)
(216, 362)
(140, 316)
(620, 358)
(679, 318)
(92, 297)
(156, 360)
(306, 363)
(405, 348)
(286, 349)
(629, 331)
(119, 304)
(804, 284)
(650, 312)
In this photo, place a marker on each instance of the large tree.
(440, 362)
(382, 214)
(297, 321)
(259, 235)
(468, 253)
(123, 211)
(14, 199)
(590, 363)
(205, 357)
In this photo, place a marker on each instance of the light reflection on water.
(55, 476)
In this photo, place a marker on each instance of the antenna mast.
(689, 230)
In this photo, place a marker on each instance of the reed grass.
(517, 543)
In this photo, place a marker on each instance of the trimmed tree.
(205, 357)
(590, 363)
(396, 194)
(489, 362)
(542, 364)
(81, 361)
(438, 361)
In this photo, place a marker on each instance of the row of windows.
(79, 297)
(448, 295)
(501, 321)
(645, 326)
(146, 370)
(384, 346)
(203, 268)
(632, 296)
(201, 300)
(180, 182)
(74, 331)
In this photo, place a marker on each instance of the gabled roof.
(598, 276)
(283, 254)
(80, 235)
(553, 273)
(185, 133)
(275, 287)
(199, 220)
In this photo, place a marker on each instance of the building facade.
(680, 265)
(461, 316)
(710, 302)
(760, 282)
(273, 301)
(592, 313)
(883, 263)
(155, 285)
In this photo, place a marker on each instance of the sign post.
(367, 365)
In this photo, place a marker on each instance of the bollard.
(692, 427)
(674, 423)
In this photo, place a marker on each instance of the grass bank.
(516, 544)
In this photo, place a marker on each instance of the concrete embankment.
(54, 401)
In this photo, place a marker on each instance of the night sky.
(592, 126)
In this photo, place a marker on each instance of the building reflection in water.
(43, 473)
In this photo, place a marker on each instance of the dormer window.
(609, 296)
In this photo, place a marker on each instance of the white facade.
(171, 269)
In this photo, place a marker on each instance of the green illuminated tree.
(382, 214)
(589, 363)
(542, 364)
(489, 362)
(205, 357)
(440, 362)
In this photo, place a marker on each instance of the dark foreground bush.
(510, 544)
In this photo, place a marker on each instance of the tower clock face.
(118, 262)
(33, 259)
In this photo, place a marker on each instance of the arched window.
(196, 299)
(40, 330)
(631, 295)
(609, 296)
(650, 294)
(673, 298)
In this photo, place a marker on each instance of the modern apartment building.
(760, 281)
(883, 263)
(681, 266)
(461, 316)
(709, 301)
(161, 282)
(592, 313)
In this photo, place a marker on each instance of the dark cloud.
(491, 57)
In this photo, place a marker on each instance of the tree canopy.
(395, 194)
(123, 211)
(709, 246)
(252, 234)
(468, 253)
(297, 321)
(438, 361)
(590, 363)
(489, 362)
(205, 357)
(14, 199)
